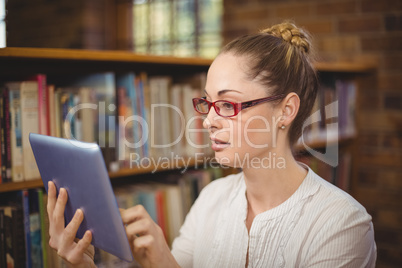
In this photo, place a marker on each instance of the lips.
(218, 145)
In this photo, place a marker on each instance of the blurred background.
(362, 31)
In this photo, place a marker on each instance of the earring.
(283, 127)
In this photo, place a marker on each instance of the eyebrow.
(223, 91)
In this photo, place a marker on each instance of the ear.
(289, 108)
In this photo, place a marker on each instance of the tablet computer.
(80, 169)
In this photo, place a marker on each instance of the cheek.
(256, 132)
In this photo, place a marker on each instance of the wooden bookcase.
(19, 62)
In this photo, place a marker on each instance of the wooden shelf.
(36, 183)
(97, 55)
(14, 186)
(59, 54)
(344, 67)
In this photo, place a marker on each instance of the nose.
(211, 121)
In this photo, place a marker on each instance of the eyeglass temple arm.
(258, 101)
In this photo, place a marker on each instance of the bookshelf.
(16, 62)
(57, 64)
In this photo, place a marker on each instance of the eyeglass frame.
(238, 106)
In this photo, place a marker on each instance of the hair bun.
(291, 34)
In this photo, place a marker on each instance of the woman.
(259, 91)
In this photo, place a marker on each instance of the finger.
(58, 213)
(71, 229)
(140, 227)
(133, 214)
(83, 244)
(51, 198)
(121, 210)
(143, 242)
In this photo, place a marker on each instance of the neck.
(268, 187)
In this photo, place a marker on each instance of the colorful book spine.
(42, 103)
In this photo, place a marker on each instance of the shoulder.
(339, 228)
(330, 195)
(333, 210)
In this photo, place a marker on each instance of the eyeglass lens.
(223, 108)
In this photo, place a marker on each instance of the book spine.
(17, 165)
(160, 212)
(42, 100)
(146, 105)
(7, 133)
(27, 234)
(29, 116)
(51, 110)
(8, 237)
(35, 229)
(2, 140)
(57, 113)
(3, 261)
(18, 237)
(43, 229)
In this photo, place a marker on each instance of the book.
(30, 124)
(17, 164)
(24, 196)
(35, 228)
(51, 110)
(43, 239)
(3, 260)
(87, 114)
(18, 236)
(8, 231)
(177, 119)
(7, 133)
(128, 113)
(42, 103)
(2, 139)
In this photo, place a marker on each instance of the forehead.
(230, 72)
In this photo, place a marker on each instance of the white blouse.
(318, 226)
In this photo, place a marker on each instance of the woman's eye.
(227, 106)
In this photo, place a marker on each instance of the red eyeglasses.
(227, 108)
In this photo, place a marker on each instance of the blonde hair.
(281, 58)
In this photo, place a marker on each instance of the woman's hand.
(78, 253)
(146, 239)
